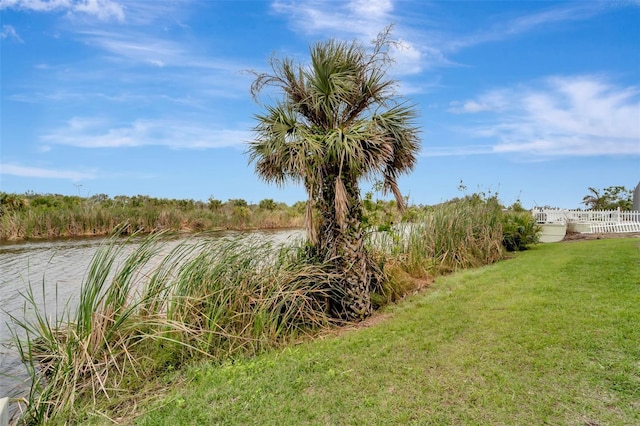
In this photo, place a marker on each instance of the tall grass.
(139, 313)
(547, 338)
(457, 235)
(83, 217)
(144, 312)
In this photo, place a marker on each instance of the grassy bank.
(220, 300)
(549, 337)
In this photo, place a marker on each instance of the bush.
(519, 230)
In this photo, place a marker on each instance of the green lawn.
(551, 336)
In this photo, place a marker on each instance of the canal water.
(54, 271)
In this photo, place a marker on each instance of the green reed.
(144, 310)
(152, 309)
(456, 235)
(87, 219)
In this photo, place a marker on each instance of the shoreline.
(182, 231)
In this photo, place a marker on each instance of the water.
(54, 270)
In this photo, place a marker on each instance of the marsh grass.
(548, 337)
(84, 217)
(456, 235)
(150, 311)
(143, 312)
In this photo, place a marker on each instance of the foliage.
(52, 215)
(455, 235)
(238, 202)
(142, 313)
(610, 198)
(214, 204)
(513, 343)
(267, 204)
(135, 318)
(338, 122)
(519, 230)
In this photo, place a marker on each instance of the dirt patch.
(577, 236)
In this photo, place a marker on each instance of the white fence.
(544, 215)
(620, 227)
(598, 220)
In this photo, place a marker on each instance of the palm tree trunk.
(343, 245)
(356, 303)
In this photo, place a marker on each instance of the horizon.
(534, 101)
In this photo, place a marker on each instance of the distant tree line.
(33, 215)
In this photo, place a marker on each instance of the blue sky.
(536, 101)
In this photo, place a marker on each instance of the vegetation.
(550, 337)
(339, 121)
(140, 314)
(610, 198)
(51, 216)
(520, 230)
(207, 298)
(511, 343)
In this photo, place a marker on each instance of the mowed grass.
(551, 336)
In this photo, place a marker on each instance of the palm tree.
(594, 200)
(338, 122)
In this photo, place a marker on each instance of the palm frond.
(339, 121)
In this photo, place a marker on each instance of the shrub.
(519, 230)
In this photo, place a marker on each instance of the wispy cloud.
(140, 47)
(86, 132)
(509, 27)
(582, 115)
(104, 10)
(37, 172)
(420, 48)
(136, 47)
(496, 100)
(362, 19)
(451, 151)
(8, 32)
(134, 66)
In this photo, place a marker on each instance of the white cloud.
(572, 146)
(463, 150)
(37, 172)
(142, 48)
(407, 57)
(457, 107)
(364, 18)
(99, 133)
(418, 48)
(136, 47)
(8, 32)
(509, 27)
(360, 19)
(496, 100)
(564, 116)
(104, 10)
(372, 8)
